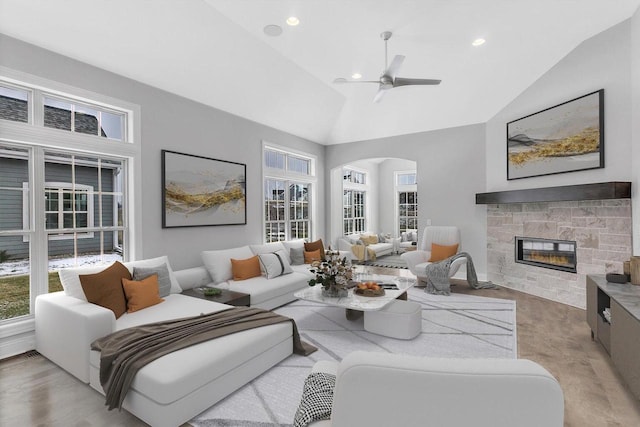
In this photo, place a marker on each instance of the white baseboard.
(17, 344)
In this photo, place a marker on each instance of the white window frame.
(60, 187)
(349, 185)
(403, 188)
(289, 177)
(17, 333)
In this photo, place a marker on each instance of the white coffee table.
(357, 304)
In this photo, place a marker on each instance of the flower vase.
(334, 291)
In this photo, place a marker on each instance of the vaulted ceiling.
(216, 52)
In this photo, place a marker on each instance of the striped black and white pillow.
(275, 264)
(317, 399)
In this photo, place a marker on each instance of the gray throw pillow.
(317, 399)
(297, 256)
(164, 280)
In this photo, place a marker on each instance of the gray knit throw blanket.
(438, 275)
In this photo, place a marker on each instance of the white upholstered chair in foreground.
(418, 260)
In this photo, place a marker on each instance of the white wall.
(175, 123)
(635, 128)
(451, 170)
(600, 62)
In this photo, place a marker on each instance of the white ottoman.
(399, 319)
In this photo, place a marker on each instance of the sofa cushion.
(369, 239)
(275, 264)
(441, 252)
(291, 244)
(105, 288)
(262, 289)
(352, 238)
(243, 269)
(162, 273)
(141, 293)
(315, 246)
(297, 256)
(155, 262)
(267, 248)
(70, 279)
(311, 256)
(218, 263)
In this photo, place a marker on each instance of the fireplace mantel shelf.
(597, 191)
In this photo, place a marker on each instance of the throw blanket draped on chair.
(125, 352)
(438, 275)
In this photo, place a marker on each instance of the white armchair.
(382, 389)
(418, 260)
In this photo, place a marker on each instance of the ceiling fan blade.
(401, 81)
(341, 80)
(394, 67)
(379, 95)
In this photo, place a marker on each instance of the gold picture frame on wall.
(201, 191)
(567, 137)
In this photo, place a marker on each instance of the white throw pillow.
(267, 248)
(156, 262)
(70, 279)
(275, 264)
(218, 263)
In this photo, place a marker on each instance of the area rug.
(453, 326)
(388, 261)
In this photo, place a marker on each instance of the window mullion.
(39, 243)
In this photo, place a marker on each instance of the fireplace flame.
(548, 258)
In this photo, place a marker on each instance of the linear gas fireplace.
(546, 253)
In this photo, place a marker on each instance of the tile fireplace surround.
(601, 229)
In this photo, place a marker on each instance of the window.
(353, 176)
(68, 207)
(288, 182)
(353, 206)
(83, 118)
(61, 203)
(407, 197)
(407, 210)
(14, 103)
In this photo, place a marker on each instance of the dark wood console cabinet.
(621, 337)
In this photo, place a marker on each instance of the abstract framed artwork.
(201, 191)
(567, 137)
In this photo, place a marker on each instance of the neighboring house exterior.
(61, 195)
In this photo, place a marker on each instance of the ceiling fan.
(388, 79)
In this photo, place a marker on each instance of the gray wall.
(600, 62)
(175, 123)
(451, 170)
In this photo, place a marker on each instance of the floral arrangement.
(334, 272)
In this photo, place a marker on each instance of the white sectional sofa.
(382, 389)
(179, 385)
(381, 248)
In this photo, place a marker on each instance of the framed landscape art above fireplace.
(565, 138)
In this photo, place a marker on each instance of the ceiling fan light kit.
(388, 79)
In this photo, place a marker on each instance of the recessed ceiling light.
(272, 30)
(292, 21)
(356, 76)
(478, 42)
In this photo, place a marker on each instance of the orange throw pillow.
(105, 288)
(310, 256)
(315, 246)
(244, 269)
(142, 294)
(440, 252)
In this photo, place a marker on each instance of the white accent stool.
(399, 319)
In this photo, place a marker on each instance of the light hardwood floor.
(35, 392)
